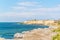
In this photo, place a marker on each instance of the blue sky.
(21, 10)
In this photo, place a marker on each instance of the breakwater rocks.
(36, 34)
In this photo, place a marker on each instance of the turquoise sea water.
(8, 29)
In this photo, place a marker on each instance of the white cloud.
(58, 5)
(28, 3)
(31, 10)
(14, 14)
(52, 12)
(35, 6)
(19, 8)
(28, 14)
(56, 9)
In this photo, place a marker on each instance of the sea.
(8, 29)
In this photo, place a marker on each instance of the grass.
(57, 37)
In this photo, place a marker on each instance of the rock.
(18, 36)
(36, 34)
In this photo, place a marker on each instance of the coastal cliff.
(43, 22)
(40, 33)
(36, 34)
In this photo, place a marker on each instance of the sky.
(22, 10)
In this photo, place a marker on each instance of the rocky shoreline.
(36, 34)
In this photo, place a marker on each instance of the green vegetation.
(58, 22)
(56, 37)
